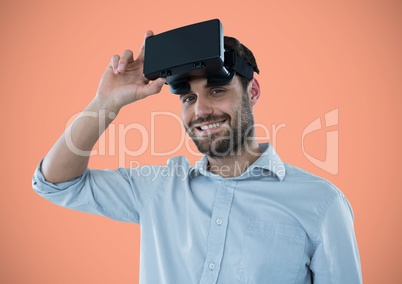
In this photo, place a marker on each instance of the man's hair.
(244, 53)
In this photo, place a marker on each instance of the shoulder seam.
(322, 213)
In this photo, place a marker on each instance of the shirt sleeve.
(336, 257)
(118, 194)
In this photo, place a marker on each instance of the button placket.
(218, 231)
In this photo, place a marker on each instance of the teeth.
(209, 126)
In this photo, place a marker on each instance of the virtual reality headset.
(193, 51)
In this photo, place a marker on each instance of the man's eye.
(188, 99)
(217, 91)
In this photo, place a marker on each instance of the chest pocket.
(272, 253)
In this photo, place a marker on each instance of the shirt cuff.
(41, 186)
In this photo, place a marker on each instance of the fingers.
(114, 62)
(119, 64)
(142, 49)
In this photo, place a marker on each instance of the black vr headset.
(190, 51)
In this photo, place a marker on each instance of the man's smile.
(209, 127)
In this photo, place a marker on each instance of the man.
(239, 215)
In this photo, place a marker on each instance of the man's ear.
(253, 91)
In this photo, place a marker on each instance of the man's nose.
(203, 107)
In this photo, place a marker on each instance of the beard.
(227, 142)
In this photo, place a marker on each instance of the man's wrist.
(108, 108)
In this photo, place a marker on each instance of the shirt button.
(227, 183)
(219, 221)
(211, 266)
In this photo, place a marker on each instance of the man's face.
(218, 119)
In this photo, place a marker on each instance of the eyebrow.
(206, 86)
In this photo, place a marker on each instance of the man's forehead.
(202, 81)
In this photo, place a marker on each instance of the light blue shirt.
(273, 224)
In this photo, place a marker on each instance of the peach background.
(314, 56)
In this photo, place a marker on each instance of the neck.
(235, 164)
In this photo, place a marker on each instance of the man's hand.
(123, 81)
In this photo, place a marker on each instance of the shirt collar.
(269, 160)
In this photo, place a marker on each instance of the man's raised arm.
(121, 84)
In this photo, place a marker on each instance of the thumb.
(155, 87)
